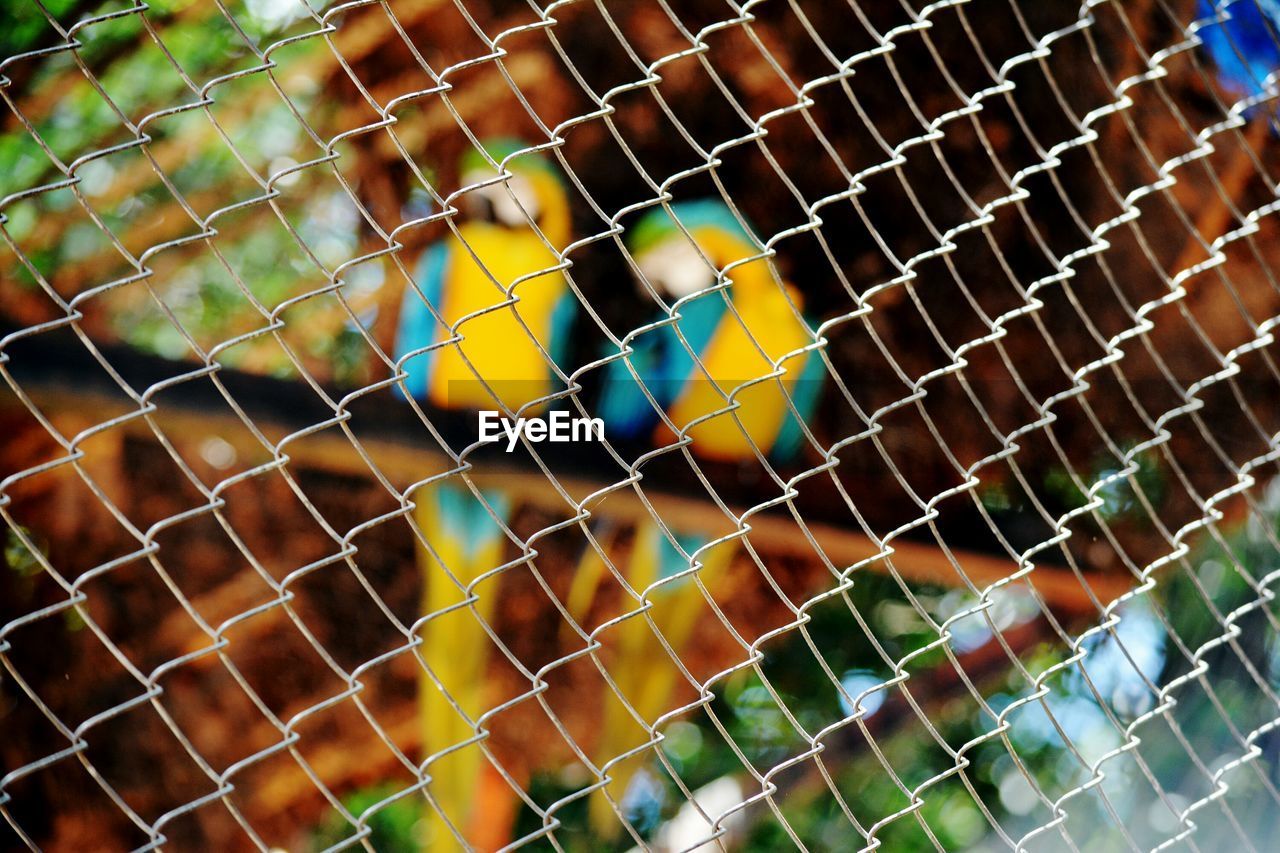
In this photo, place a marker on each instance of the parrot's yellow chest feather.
(733, 357)
(498, 336)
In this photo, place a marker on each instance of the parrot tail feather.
(465, 540)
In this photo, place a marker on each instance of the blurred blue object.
(1243, 46)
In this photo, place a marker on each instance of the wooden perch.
(774, 535)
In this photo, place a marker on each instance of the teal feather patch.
(664, 366)
(466, 518)
(804, 396)
(418, 328)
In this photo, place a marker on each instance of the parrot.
(468, 540)
(457, 277)
(1243, 46)
(464, 530)
(729, 348)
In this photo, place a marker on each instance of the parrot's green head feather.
(679, 266)
(657, 225)
(534, 182)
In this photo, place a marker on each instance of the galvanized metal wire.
(1093, 131)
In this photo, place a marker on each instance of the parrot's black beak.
(639, 283)
(479, 206)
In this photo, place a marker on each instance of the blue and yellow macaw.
(463, 277)
(734, 347)
(1243, 46)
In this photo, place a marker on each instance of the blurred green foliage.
(394, 822)
(1097, 701)
(267, 255)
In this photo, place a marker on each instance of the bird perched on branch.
(508, 244)
(1243, 45)
(747, 336)
(749, 340)
(489, 315)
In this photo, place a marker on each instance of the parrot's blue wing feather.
(804, 396)
(623, 407)
(418, 327)
(562, 317)
(699, 319)
(663, 364)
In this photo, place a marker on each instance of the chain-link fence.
(671, 425)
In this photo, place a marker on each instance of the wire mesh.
(1016, 592)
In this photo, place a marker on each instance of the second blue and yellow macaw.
(736, 340)
(500, 355)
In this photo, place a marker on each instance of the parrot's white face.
(675, 267)
(495, 201)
